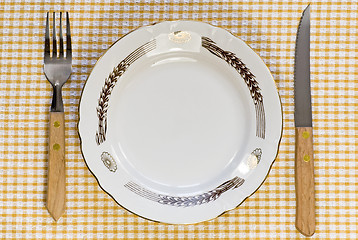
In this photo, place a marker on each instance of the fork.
(57, 71)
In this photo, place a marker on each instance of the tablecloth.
(269, 27)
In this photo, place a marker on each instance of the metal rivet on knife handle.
(56, 124)
(305, 134)
(56, 147)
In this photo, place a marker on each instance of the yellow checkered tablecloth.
(268, 27)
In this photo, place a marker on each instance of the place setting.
(180, 122)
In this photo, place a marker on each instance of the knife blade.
(304, 166)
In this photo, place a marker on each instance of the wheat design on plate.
(190, 201)
(185, 201)
(110, 83)
(248, 77)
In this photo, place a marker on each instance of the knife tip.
(307, 8)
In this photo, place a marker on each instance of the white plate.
(180, 122)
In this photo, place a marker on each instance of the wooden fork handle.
(304, 178)
(56, 185)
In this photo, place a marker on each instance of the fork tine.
(54, 43)
(68, 38)
(61, 38)
(47, 39)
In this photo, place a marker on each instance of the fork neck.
(57, 103)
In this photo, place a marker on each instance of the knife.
(304, 167)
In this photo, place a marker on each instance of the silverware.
(57, 70)
(304, 167)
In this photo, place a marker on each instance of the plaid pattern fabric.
(268, 27)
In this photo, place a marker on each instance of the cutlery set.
(58, 66)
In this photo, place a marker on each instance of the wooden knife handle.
(304, 178)
(56, 191)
